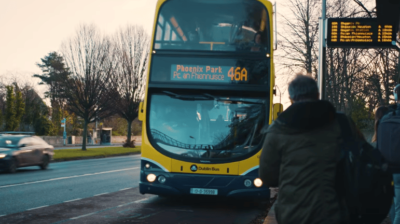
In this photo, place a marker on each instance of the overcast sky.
(30, 29)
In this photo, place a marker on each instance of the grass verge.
(75, 154)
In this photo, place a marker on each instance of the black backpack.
(389, 139)
(364, 188)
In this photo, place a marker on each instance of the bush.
(129, 144)
(42, 125)
(117, 133)
(360, 114)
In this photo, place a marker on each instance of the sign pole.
(322, 52)
(63, 124)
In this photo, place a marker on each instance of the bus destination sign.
(205, 73)
(360, 33)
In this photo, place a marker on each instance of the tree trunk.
(129, 136)
(84, 137)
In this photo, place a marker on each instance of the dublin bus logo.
(193, 168)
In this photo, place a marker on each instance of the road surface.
(31, 187)
(105, 191)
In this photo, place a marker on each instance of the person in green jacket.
(300, 155)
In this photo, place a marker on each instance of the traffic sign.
(360, 33)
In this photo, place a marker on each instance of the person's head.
(303, 88)
(380, 112)
(396, 92)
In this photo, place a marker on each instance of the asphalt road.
(31, 187)
(106, 191)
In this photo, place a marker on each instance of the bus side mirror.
(277, 110)
(141, 112)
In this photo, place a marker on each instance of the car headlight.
(2, 155)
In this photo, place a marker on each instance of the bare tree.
(132, 50)
(300, 35)
(381, 76)
(344, 66)
(89, 91)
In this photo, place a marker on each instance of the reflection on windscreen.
(8, 142)
(205, 126)
(234, 25)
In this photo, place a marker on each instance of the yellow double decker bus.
(208, 98)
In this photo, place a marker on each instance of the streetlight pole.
(322, 52)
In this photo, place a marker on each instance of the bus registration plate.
(203, 191)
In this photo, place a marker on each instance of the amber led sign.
(359, 33)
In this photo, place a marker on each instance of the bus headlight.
(258, 182)
(247, 183)
(151, 177)
(162, 179)
(2, 155)
(147, 165)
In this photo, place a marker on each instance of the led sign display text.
(359, 32)
(205, 73)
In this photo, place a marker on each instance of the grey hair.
(303, 88)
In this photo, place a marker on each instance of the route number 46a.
(238, 74)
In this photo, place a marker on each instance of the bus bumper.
(159, 189)
(179, 184)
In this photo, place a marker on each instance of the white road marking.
(125, 189)
(63, 178)
(84, 215)
(100, 194)
(73, 200)
(37, 207)
(144, 199)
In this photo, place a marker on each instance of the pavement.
(271, 219)
(106, 191)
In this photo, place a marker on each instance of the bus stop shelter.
(105, 135)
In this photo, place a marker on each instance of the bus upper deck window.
(201, 25)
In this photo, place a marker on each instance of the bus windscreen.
(205, 125)
(212, 26)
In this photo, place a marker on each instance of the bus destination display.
(359, 32)
(205, 73)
